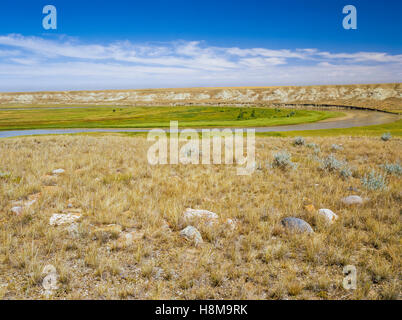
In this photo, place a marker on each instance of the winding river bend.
(352, 118)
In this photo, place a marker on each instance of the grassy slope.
(148, 117)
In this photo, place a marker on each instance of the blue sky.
(177, 43)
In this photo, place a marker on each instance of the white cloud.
(34, 63)
(363, 56)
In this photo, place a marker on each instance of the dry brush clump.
(126, 241)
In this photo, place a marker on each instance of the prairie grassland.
(155, 117)
(107, 180)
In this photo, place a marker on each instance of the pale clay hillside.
(375, 96)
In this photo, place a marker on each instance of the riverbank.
(351, 123)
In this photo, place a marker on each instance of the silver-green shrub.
(386, 136)
(332, 164)
(283, 160)
(299, 141)
(393, 168)
(374, 181)
(314, 146)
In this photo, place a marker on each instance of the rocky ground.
(85, 217)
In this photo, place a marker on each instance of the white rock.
(296, 225)
(328, 214)
(58, 171)
(23, 204)
(200, 214)
(350, 200)
(16, 210)
(59, 219)
(191, 234)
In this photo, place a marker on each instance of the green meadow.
(394, 128)
(156, 117)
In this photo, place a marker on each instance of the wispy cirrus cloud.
(35, 63)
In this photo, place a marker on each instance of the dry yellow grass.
(108, 180)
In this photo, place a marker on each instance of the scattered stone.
(59, 219)
(17, 210)
(196, 213)
(18, 206)
(23, 204)
(58, 171)
(191, 234)
(69, 205)
(328, 214)
(352, 200)
(296, 225)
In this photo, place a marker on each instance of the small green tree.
(241, 115)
